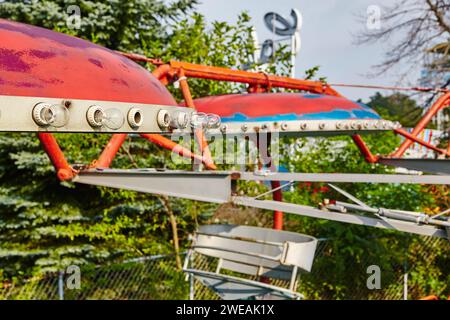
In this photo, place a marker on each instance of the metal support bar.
(416, 217)
(308, 128)
(217, 187)
(273, 190)
(110, 151)
(202, 186)
(441, 214)
(441, 103)
(223, 74)
(345, 177)
(198, 132)
(421, 142)
(439, 166)
(349, 196)
(342, 217)
(100, 174)
(364, 149)
(51, 147)
(177, 148)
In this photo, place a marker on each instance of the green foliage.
(311, 74)
(353, 247)
(398, 107)
(116, 24)
(219, 44)
(46, 225)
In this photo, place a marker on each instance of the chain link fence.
(157, 277)
(400, 279)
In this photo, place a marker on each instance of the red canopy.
(42, 63)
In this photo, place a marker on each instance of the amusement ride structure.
(51, 82)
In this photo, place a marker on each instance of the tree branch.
(439, 16)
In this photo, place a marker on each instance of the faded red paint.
(43, 63)
(266, 104)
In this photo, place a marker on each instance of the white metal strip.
(16, 115)
(210, 188)
(345, 177)
(217, 187)
(287, 176)
(440, 166)
(307, 127)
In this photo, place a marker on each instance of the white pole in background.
(405, 278)
(61, 285)
(405, 286)
(296, 41)
(293, 54)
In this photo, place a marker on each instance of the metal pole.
(203, 144)
(61, 285)
(421, 142)
(405, 277)
(364, 149)
(191, 287)
(191, 280)
(110, 151)
(274, 184)
(405, 286)
(277, 214)
(441, 103)
(51, 147)
(223, 74)
(177, 148)
(293, 55)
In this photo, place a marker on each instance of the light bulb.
(213, 121)
(45, 114)
(203, 120)
(180, 120)
(113, 119)
(198, 119)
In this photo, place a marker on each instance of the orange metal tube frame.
(63, 170)
(277, 194)
(365, 151)
(421, 142)
(206, 154)
(261, 79)
(176, 148)
(110, 151)
(253, 78)
(441, 103)
(433, 297)
(192, 70)
(161, 73)
(277, 214)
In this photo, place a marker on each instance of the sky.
(327, 37)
